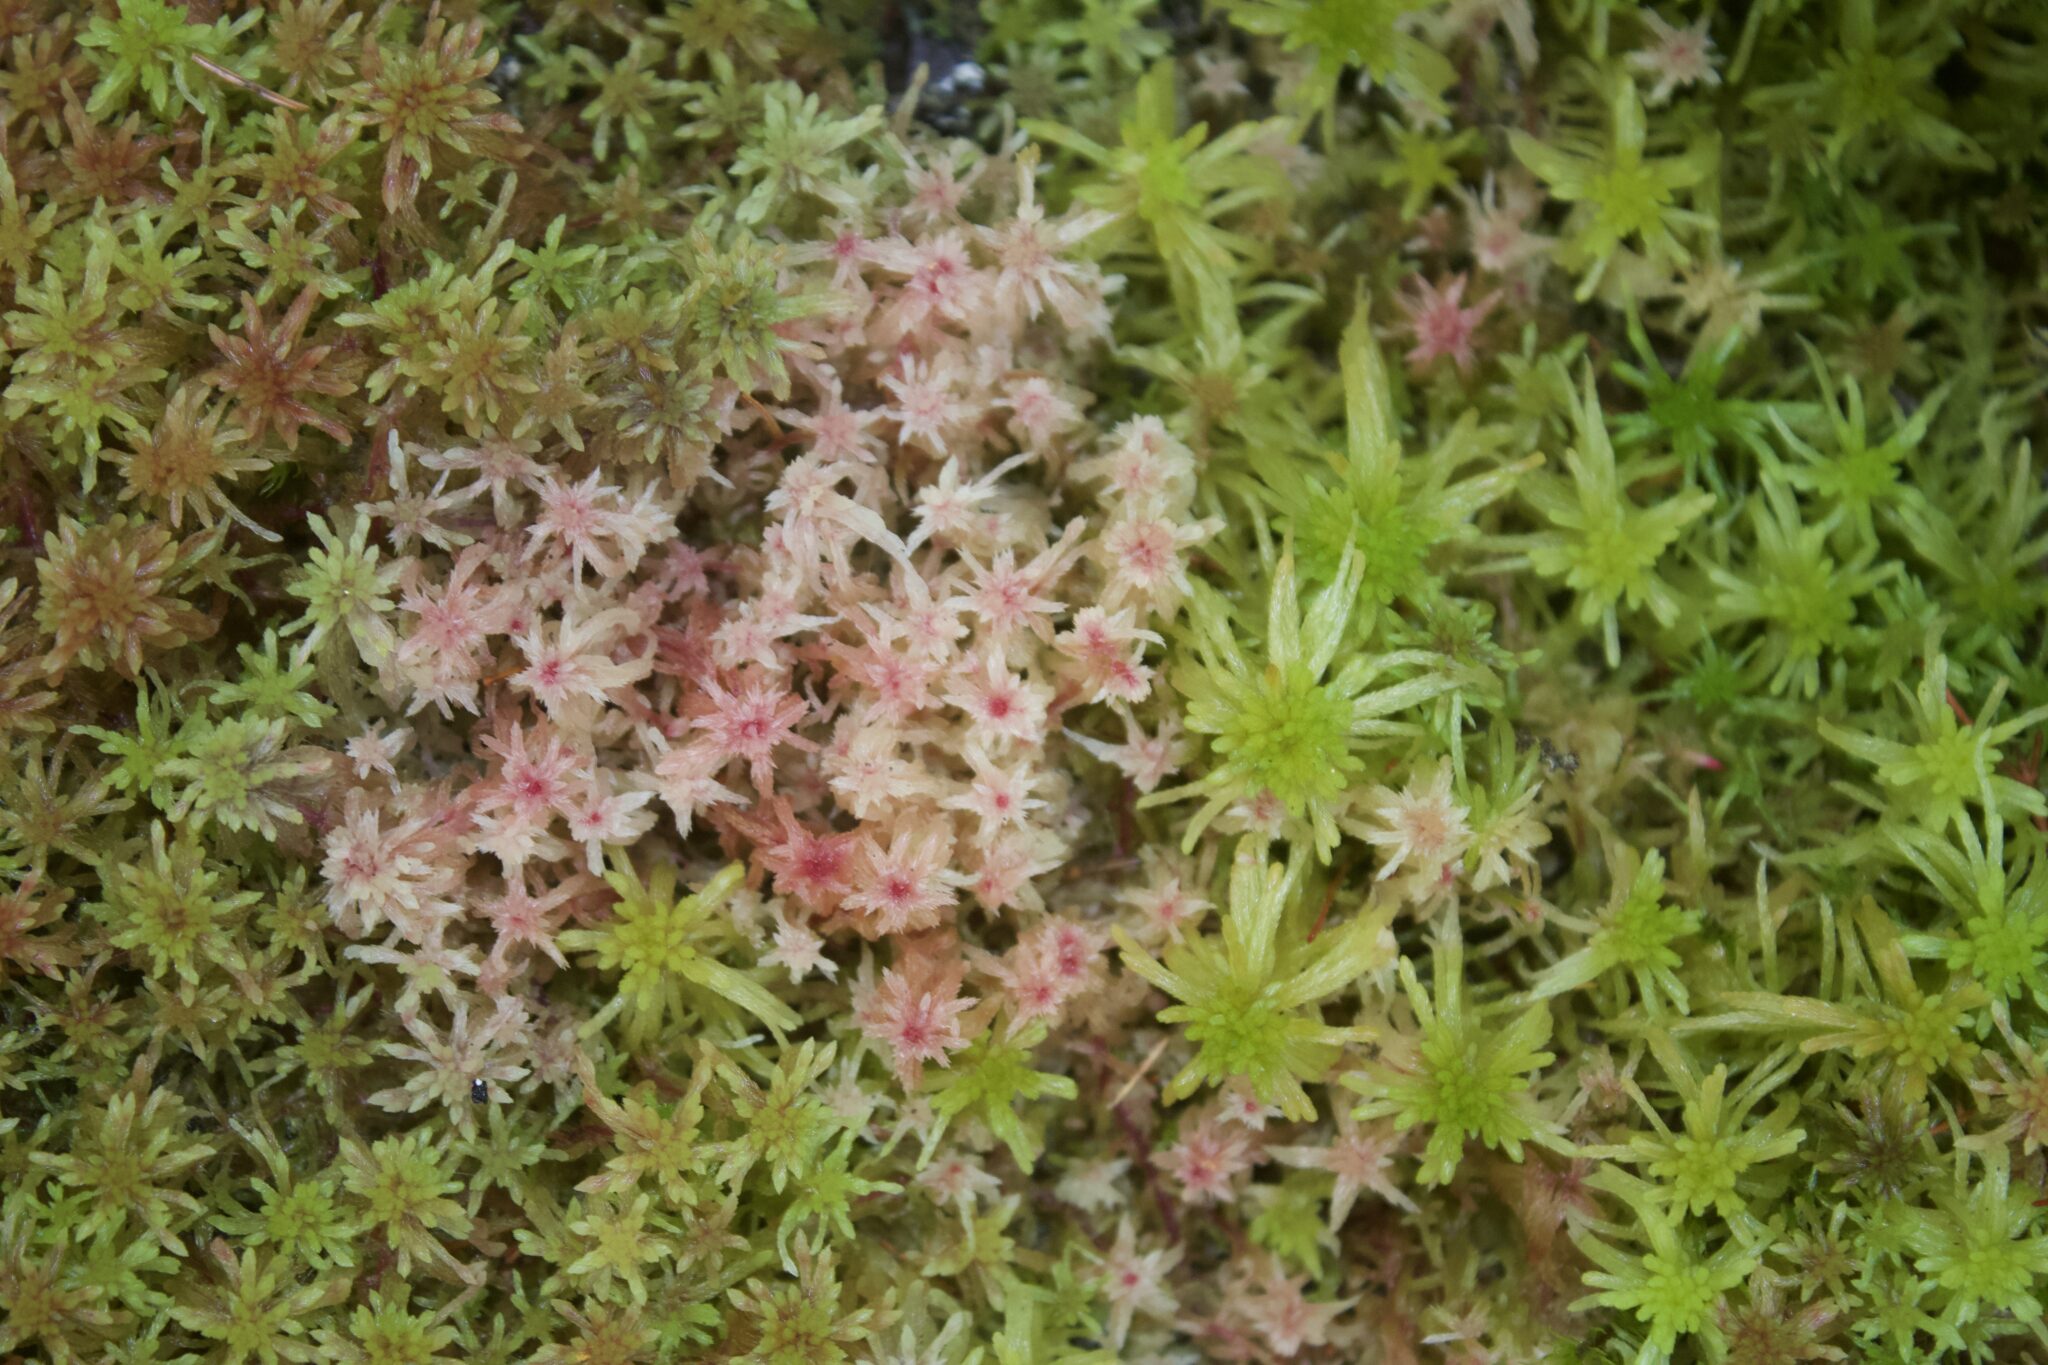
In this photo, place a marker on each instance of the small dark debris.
(940, 36)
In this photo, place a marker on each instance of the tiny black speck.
(479, 1092)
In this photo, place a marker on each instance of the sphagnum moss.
(1376, 693)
